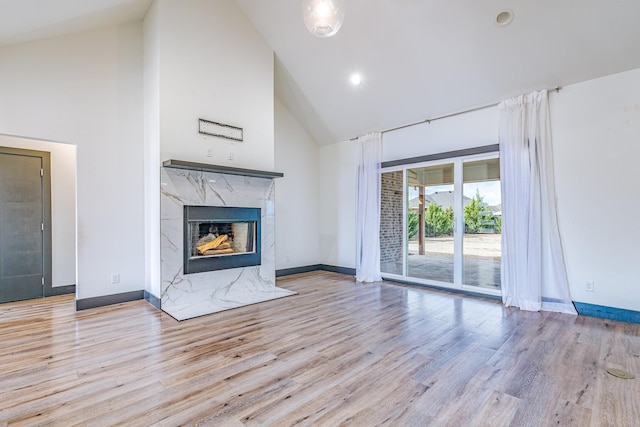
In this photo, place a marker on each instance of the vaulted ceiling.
(425, 58)
(419, 58)
(26, 20)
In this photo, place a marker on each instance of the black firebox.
(220, 237)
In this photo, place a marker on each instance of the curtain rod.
(471, 110)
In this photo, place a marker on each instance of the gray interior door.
(21, 224)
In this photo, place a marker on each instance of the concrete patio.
(481, 260)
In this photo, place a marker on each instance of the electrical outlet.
(209, 152)
(589, 286)
(230, 156)
(115, 278)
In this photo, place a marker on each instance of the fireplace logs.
(213, 244)
(218, 251)
(210, 245)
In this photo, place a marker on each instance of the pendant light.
(323, 18)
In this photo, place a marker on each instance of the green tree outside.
(478, 217)
(412, 224)
(439, 222)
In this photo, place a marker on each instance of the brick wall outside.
(391, 217)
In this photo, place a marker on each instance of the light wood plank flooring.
(337, 353)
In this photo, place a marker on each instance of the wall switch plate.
(589, 286)
(115, 278)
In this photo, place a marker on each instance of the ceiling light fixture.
(323, 18)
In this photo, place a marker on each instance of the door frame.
(45, 158)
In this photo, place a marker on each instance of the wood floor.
(337, 353)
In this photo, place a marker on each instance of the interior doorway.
(25, 224)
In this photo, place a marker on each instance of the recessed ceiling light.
(504, 18)
(356, 79)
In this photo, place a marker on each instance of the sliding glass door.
(482, 223)
(430, 215)
(440, 223)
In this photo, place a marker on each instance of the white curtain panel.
(533, 270)
(368, 209)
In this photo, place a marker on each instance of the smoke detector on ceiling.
(504, 18)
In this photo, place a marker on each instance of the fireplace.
(194, 202)
(220, 237)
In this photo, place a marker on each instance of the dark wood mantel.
(204, 167)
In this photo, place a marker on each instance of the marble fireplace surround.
(184, 296)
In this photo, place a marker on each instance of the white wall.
(63, 204)
(337, 165)
(455, 133)
(86, 90)
(596, 132)
(297, 193)
(214, 65)
(151, 91)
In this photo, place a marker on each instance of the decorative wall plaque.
(221, 130)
